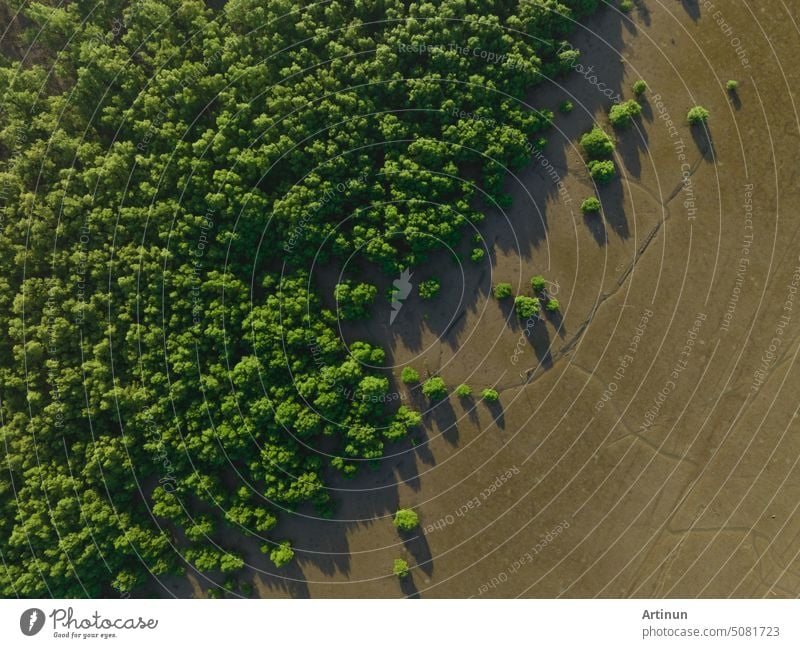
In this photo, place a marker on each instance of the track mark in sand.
(535, 373)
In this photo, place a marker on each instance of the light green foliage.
(591, 205)
(502, 290)
(732, 86)
(597, 143)
(626, 5)
(434, 388)
(406, 520)
(552, 305)
(622, 114)
(602, 171)
(538, 283)
(282, 554)
(697, 115)
(526, 307)
(400, 568)
(464, 391)
(490, 395)
(477, 255)
(409, 375)
(429, 289)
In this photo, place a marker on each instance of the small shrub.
(400, 568)
(697, 115)
(409, 375)
(538, 283)
(597, 143)
(464, 391)
(490, 395)
(621, 115)
(639, 88)
(406, 520)
(732, 86)
(602, 171)
(502, 291)
(553, 305)
(477, 255)
(429, 289)
(526, 307)
(565, 107)
(590, 205)
(434, 388)
(626, 6)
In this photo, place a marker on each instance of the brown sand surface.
(691, 493)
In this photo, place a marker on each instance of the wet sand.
(684, 481)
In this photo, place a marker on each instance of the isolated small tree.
(565, 107)
(732, 86)
(281, 554)
(626, 6)
(591, 205)
(597, 143)
(602, 171)
(400, 568)
(490, 395)
(502, 290)
(477, 255)
(697, 115)
(406, 520)
(639, 88)
(464, 391)
(621, 115)
(538, 283)
(553, 305)
(434, 388)
(526, 306)
(409, 375)
(429, 289)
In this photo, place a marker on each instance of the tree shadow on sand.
(704, 142)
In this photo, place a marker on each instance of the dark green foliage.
(565, 107)
(639, 87)
(166, 190)
(621, 115)
(527, 307)
(354, 300)
(597, 143)
(602, 171)
(434, 388)
(429, 289)
(406, 520)
(591, 205)
(477, 255)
